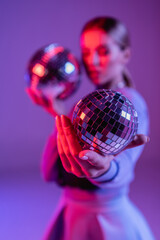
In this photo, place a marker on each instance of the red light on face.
(38, 70)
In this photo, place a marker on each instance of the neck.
(113, 84)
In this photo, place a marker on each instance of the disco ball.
(105, 121)
(50, 67)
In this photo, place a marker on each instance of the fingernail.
(84, 158)
(135, 138)
(58, 123)
(56, 117)
(148, 139)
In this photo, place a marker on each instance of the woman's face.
(103, 59)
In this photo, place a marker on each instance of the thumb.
(138, 140)
(95, 158)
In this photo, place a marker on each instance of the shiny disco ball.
(50, 67)
(105, 121)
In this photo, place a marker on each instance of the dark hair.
(117, 30)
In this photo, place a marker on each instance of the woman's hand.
(52, 105)
(83, 163)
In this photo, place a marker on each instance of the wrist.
(108, 175)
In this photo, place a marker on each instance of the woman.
(95, 203)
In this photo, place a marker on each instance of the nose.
(95, 59)
(92, 59)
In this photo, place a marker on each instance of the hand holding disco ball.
(53, 73)
(105, 121)
(84, 162)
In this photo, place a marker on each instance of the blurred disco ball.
(105, 121)
(51, 67)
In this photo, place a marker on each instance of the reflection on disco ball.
(105, 121)
(52, 67)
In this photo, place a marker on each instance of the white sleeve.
(121, 170)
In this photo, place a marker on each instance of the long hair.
(117, 31)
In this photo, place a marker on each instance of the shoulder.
(134, 96)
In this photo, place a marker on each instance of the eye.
(103, 51)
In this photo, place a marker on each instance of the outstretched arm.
(84, 163)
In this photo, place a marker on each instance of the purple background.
(26, 201)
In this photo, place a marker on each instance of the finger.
(59, 126)
(138, 140)
(36, 96)
(71, 137)
(32, 95)
(96, 159)
(73, 144)
(74, 165)
(88, 169)
(97, 164)
(43, 101)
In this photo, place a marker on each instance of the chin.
(99, 82)
(95, 81)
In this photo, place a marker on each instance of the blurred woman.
(95, 204)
